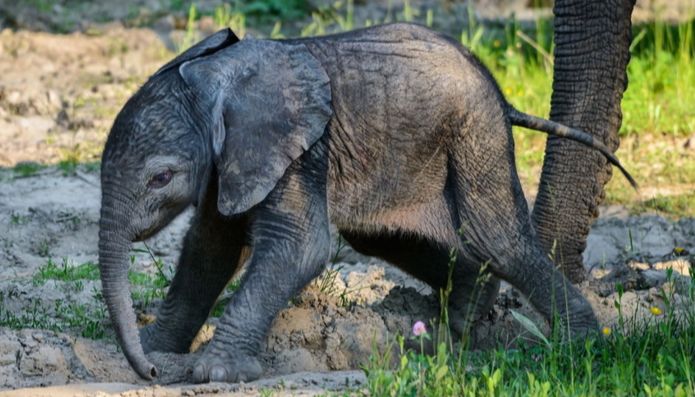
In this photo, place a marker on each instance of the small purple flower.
(419, 328)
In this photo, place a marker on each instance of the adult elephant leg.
(592, 40)
(211, 254)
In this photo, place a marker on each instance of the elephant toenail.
(199, 373)
(218, 374)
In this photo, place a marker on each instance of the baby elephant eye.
(160, 180)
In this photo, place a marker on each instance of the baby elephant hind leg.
(473, 291)
(497, 229)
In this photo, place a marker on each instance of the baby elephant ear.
(269, 102)
(222, 39)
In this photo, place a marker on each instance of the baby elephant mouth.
(151, 225)
(145, 234)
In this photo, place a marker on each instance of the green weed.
(636, 358)
(18, 219)
(681, 205)
(68, 165)
(43, 248)
(190, 37)
(224, 17)
(26, 169)
(88, 321)
(43, 6)
(222, 302)
(661, 78)
(147, 287)
(273, 9)
(65, 272)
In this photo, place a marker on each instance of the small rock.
(689, 143)
(37, 125)
(146, 319)
(207, 26)
(13, 97)
(53, 99)
(657, 242)
(639, 265)
(599, 272)
(680, 285)
(599, 251)
(9, 350)
(165, 24)
(653, 278)
(43, 361)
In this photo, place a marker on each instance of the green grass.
(653, 357)
(66, 272)
(88, 321)
(60, 315)
(148, 288)
(660, 94)
(680, 205)
(68, 315)
(26, 169)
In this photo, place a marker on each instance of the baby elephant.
(396, 134)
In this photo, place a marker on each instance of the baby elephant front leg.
(290, 248)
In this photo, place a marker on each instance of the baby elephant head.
(237, 111)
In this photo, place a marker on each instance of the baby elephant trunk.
(114, 247)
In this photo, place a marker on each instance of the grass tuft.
(652, 357)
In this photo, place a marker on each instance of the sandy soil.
(58, 97)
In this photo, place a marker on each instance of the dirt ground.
(331, 327)
(58, 97)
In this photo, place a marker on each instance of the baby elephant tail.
(550, 127)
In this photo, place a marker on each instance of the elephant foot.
(154, 339)
(460, 327)
(577, 319)
(464, 318)
(580, 325)
(216, 366)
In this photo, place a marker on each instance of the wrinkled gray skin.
(592, 42)
(396, 134)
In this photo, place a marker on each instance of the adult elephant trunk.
(114, 247)
(592, 40)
